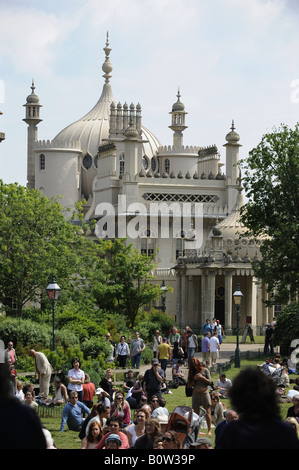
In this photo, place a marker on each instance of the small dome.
(178, 106)
(131, 132)
(32, 98)
(232, 136)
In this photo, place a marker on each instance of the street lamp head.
(164, 288)
(238, 296)
(53, 290)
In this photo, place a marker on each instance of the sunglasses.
(167, 439)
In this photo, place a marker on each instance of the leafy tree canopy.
(36, 241)
(121, 279)
(271, 183)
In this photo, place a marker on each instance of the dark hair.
(174, 438)
(112, 419)
(76, 360)
(253, 395)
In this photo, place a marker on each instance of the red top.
(89, 391)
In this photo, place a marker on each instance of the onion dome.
(178, 106)
(32, 98)
(93, 128)
(232, 137)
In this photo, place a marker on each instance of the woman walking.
(199, 378)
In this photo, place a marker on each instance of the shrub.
(25, 332)
(287, 328)
(95, 347)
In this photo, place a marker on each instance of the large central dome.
(93, 128)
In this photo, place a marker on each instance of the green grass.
(232, 339)
(70, 440)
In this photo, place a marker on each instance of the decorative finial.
(179, 94)
(233, 125)
(107, 66)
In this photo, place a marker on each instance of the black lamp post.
(164, 290)
(237, 296)
(53, 291)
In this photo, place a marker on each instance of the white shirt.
(214, 343)
(76, 375)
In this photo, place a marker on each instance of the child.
(19, 392)
(113, 441)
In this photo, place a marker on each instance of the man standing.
(43, 371)
(192, 345)
(10, 352)
(174, 335)
(152, 381)
(137, 346)
(164, 354)
(207, 328)
(205, 349)
(268, 340)
(72, 413)
(112, 353)
(214, 348)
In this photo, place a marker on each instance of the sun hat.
(113, 437)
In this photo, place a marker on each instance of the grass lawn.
(232, 339)
(70, 440)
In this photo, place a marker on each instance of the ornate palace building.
(173, 201)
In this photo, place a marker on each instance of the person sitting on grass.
(114, 425)
(72, 413)
(113, 441)
(93, 437)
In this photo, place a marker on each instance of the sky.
(231, 59)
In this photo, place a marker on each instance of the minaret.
(178, 121)
(32, 119)
(232, 159)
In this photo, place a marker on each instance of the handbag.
(188, 391)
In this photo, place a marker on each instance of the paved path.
(227, 350)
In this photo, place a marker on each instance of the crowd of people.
(134, 415)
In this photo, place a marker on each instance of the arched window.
(42, 162)
(182, 237)
(167, 165)
(154, 164)
(87, 161)
(145, 162)
(148, 242)
(122, 164)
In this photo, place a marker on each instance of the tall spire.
(107, 66)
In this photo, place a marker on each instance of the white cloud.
(28, 36)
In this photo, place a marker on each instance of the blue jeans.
(191, 352)
(135, 361)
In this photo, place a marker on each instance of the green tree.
(287, 328)
(36, 241)
(121, 281)
(271, 183)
